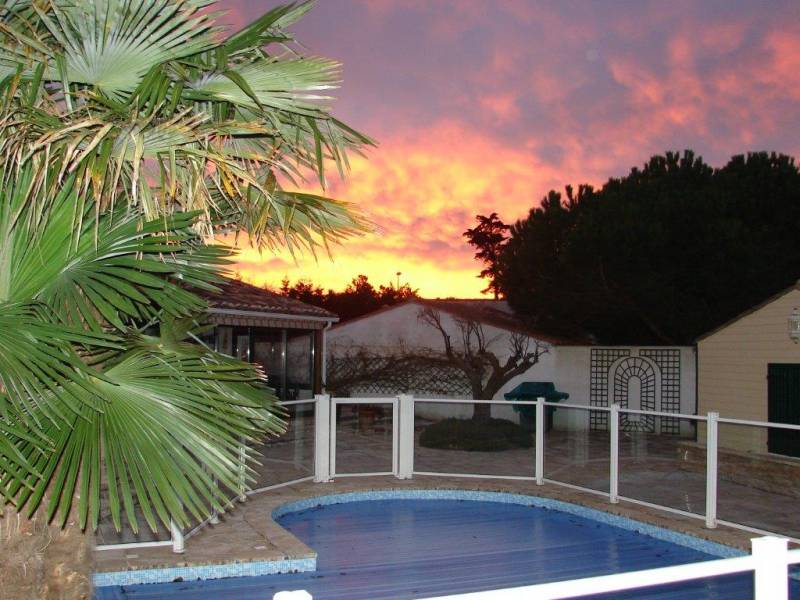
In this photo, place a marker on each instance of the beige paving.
(650, 470)
(248, 532)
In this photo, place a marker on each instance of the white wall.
(389, 331)
(568, 367)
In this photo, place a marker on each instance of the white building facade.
(661, 378)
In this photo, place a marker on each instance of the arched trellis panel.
(627, 371)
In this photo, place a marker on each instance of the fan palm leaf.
(126, 93)
(169, 433)
(130, 130)
(86, 397)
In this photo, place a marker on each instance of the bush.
(475, 435)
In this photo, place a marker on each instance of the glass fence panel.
(363, 438)
(289, 456)
(107, 534)
(454, 438)
(661, 461)
(576, 447)
(757, 486)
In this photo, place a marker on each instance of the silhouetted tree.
(358, 298)
(488, 237)
(661, 255)
(474, 354)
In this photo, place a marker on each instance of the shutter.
(784, 407)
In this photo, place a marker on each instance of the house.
(749, 368)
(285, 336)
(648, 378)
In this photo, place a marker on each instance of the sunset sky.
(483, 106)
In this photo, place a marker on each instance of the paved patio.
(248, 533)
(650, 470)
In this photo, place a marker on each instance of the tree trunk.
(43, 562)
(482, 412)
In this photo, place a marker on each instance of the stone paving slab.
(248, 533)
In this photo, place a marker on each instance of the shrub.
(475, 435)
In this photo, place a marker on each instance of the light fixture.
(794, 325)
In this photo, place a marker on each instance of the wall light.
(794, 325)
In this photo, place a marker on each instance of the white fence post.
(712, 441)
(613, 481)
(396, 437)
(540, 441)
(771, 580)
(322, 438)
(293, 595)
(178, 542)
(405, 469)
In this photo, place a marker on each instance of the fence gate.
(364, 436)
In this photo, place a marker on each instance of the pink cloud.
(485, 106)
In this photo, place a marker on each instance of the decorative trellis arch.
(647, 373)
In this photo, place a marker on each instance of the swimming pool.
(446, 543)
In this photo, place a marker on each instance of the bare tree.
(472, 355)
(382, 371)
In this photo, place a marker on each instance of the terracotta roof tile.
(237, 295)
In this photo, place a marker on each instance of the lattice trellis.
(642, 369)
(389, 376)
(601, 361)
(669, 363)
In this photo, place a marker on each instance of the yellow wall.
(732, 369)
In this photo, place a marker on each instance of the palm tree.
(132, 133)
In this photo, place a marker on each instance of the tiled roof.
(237, 295)
(496, 313)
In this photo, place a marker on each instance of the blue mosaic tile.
(653, 531)
(166, 575)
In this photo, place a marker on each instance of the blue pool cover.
(378, 549)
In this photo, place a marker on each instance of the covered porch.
(284, 336)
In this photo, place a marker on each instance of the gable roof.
(239, 297)
(749, 311)
(496, 313)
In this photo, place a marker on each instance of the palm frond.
(112, 44)
(170, 432)
(293, 85)
(129, 130)
(125, 93)
(108, 271)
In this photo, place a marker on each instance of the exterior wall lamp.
(794, 325)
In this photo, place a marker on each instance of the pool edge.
(306, 564)
(661, 533)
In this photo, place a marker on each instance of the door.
(784, 407)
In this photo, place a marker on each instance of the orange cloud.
(422, 189)
(483, 107)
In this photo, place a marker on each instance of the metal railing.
(405, 448)
(769, 561)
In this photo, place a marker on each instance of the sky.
(482, 106)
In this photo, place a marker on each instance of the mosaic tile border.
(167, 575)
(660, 533)
(274, 567)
